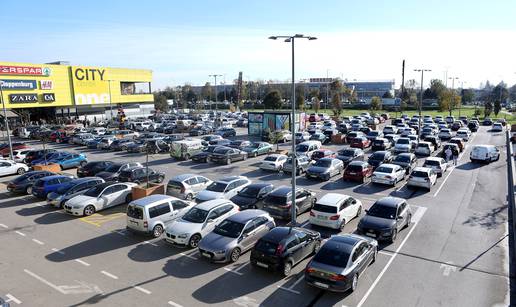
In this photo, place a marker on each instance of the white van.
(184, 149)
(485, 153)
(308, 147)
(151, 214)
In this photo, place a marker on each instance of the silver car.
(186, 186)
(235, 235)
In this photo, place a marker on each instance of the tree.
(376, 103)
(206, 92)
(336, 104)
(160, 102)
(512, 93)
(467, 95)
(448, 100)
(316, 104)
(387, 94)
(435, 90)
(497, 107)
(273, 100)
(488, 108)
(499, 93)
(300, 97)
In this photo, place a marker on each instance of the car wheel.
(255, 154)
(194, 241)
(228, 161)
(317, 246)
(157, 231)
(245, 157)
(374, 255)
(83, 163)
(497, 157)
(235, 254)
(287, 268)
(187, 157)
(28, 190)
(189, 196)
(394, 235)
(409, 220)
(354, 283)
(160, 179)
(342, 225)
(20, 171)
(359, 211)
(128, 198)
(89, 210)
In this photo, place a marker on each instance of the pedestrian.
(448, 153)
(455, 156)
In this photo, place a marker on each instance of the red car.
(5, 151)
(323, 153)
(56, 135)
(360, 142)
(357, 171)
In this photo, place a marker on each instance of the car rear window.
(384, 169)
(266, 247)
(331, 254)
(135, 212)
(276, 200)
(354, 168)
(273, 159)
(325, 208)
(432, 162)
(419, 174)
(175, 184)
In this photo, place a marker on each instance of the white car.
(388, 174)
(334, 210)
(464, 134)
(273, 162)
(408, 131)
(403, 145)
(424, 148)
(186, 186)
(20, 154)
(199, 221)
(389, 129)
(445, 134)
(224, 188)
(439, 165)
(10, 167)
(423, 177)
(100, 197)
(485, 153)
(497, 127)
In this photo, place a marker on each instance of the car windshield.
(386, 212)
(384, 169)
(331, 254)
(323, 163)
(346, 153)
(250, 191)
(432, 162)
(22, 177)
(95, 191)
(377, 156)
(255, 145)
(217, 187)
(195, 215)
(113, 168)
(402, 159)
(302, 148)
(325, 208)
(229, 228)
(403, 141)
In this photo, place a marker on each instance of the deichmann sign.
(90, 86)
(18, 84)
(25, 70)
(23, 98)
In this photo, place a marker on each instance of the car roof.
(278, 234)
(328, 159)
(230, 179)
(183, 177)
(361, 163)
(210, 204)
(389, 201)
(53, 177)
(343, 242)
(152, 199)
(422, 169)
(332, 199)
(434, 159)
(246, 215)
(259, 185)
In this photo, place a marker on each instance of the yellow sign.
(90, 85)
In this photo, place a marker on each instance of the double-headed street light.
(216, 109)
(291, 39)
(422, 70)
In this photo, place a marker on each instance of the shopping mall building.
(55, 90)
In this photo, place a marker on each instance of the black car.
(92, 168)
(319, 137)
(406, 160)
(473, 126)
(23, 183)
(203, 156)
(226, 132)
(487, 122)
(381, 144)
(284, 247)
(278, 202)
(251, 197)
(139, 175)
(350, 154)
(379, 157)
(118, 144)
(37, 154)
(227, 155)
(200, 131)
(137, 146)
(385, 219)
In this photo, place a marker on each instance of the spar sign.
(25, 70)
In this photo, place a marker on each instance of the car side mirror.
(366, 210)
(210, 221)
(245, 235)
(400, 217)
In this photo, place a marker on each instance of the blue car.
(93, 143)
(70, 160)
(71, 189)
(46, 185)
(49, 156)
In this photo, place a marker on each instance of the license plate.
(320, 284)
(371, 234)
(322, 217)
(263, 265)
(134, 222)
(206, 255)
(351, 173)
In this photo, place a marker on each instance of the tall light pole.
(216, 108)
(110, 103)
(291, 39)
(453, 93)
(422, 70)
(327, 90)
(6, 122)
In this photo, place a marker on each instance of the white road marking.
(58, 251)
(246, 301)
(174, 304)
(109, 274)
(304, 223)
(82, 287)
(191, 255)
(450, 170)
(38, 241)
(448, 267)
(82, 262)
(20, 233)
(236, 271)
(290, 289)
(11, 298)
(415, 218)
(3, 226)
(142, 290)
(119, 232)
(386, 253)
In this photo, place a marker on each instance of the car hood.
(216, 242)
(345, 158)
(81, 200)
(249, 149)
(105, 175)
(377, 223)
(318, 169)
(209, 195)
(182, 226)
(243, 200)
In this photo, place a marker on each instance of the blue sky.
(184, 41)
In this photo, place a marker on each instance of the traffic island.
(51, 167)
(145, 190)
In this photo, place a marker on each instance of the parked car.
(307, 148)
(224, 188)
(9, 167)
(251, 197)
(385, 219)
(278, 202)
(203, 156)
(70, 160)
(226, 132)
(456, 125)
(301, 137)
(257, 148)
(340, 261)
(239, 144)
(325, 168)
(323, 153)
(37, 154)
(92, 168)
(150, 215)
(334, 210)
(463, 133)
(227, 155)
(445, 134)
(112, 172)
(389, 174)
(403, 144)
(23, 183)
(381, 144)
(485, 153)
(459, 142)
(100, 197)
(347, 155)
(302, 164)
(373, 135)
(198, 221)
(434, 140)
(186, 186)
(5, 152)
(497, 127)
(423, 177)
(379, 157)
(473, 126)
(140, 174)
(389, 129)
(360, 142)
(273, 162)
(453, 147)
(42, 187)
(353, 134)
(439, 165)
(318, 136)
(284, 247)
(424, 148)
(358, 171)
(20, 155)
(235, 235)
(71, 189)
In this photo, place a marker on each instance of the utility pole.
(402, 85)
(422, 70)
(450, 108)
(216, 107)
(6, 122)
(327, 90)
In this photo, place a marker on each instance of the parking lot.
(453, 254)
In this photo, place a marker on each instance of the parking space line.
(386, 253)
(290, 289)
(120, 232)
(174, 304)
(11, 298)
(38, 241)
(191, 255)
(444, 181)
(3, 226)
(58, 251)
(142, 290)
(236, 271)
(415, 218)
(20, 233)
(109, 274)
(82, 262)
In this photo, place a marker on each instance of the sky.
(186, 41)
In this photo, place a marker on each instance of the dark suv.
(227, 155)
(139, 175)
(278, 202)
(92, 168)
(284, 247)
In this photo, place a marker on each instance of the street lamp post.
(216, 108)
(453, 94)
(110, 103)
(422, 70)
(327, 85)
(6, 122)
(291, 39)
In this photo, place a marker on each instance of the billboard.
(90, 85)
